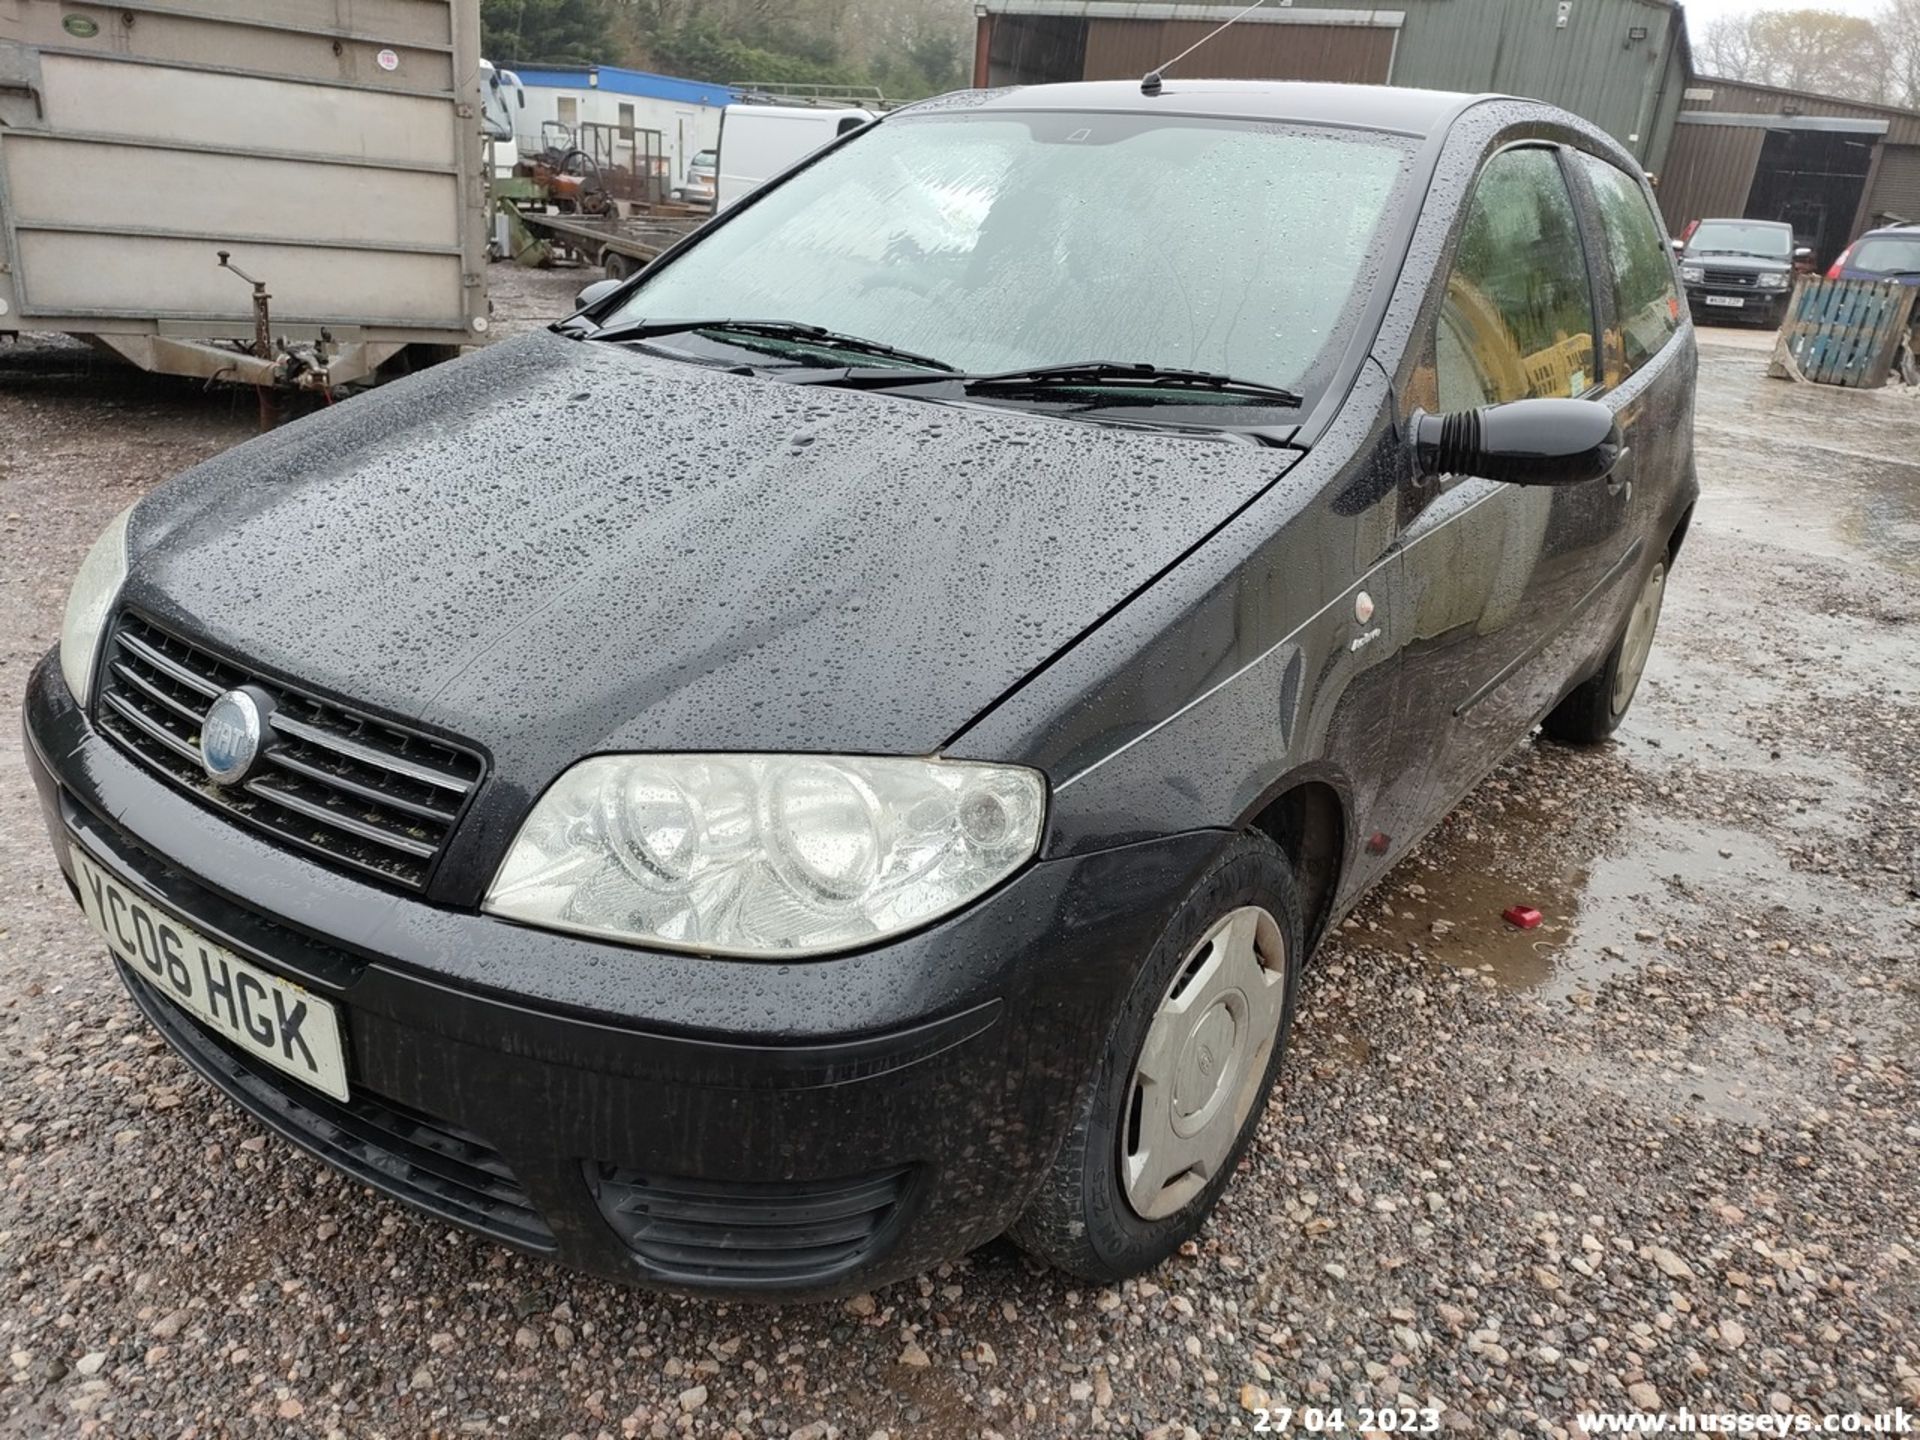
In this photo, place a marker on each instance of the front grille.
(748, 1234)
(1731, 277)
(445, 1171)
(365, 793)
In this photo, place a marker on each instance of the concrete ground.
(1662, 1151)
(1738, 337)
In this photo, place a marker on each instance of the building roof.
(619, 81)
(1140, 10)
(1711, 99)
(1374, 107)
(1786, 99)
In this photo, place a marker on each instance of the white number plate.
(290, 1028)
(1732, 302)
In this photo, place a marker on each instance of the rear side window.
(1646, 306)
(1888, 255)
(1517, 320)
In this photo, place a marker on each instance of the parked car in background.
(1739, 270)
(1889, 253)
(699, 187)
(870, 780)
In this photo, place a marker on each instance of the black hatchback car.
(841, 750)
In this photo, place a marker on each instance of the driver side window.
(1517, 320)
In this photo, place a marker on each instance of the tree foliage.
(529, 32)
(905, 48)
(1823, 51)
(1900, 33)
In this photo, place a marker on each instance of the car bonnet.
(557, 547)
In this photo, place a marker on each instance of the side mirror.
(1679, 246)
(1523, 442)
(595, 293)
(1802, 252)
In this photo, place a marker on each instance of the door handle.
(1619, 478)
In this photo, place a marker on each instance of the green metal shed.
(1620, 63)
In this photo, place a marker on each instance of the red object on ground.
(1524, 917)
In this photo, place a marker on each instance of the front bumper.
(708, 1125)
(1756, 304)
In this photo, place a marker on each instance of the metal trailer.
(276, 192)
(619, 245)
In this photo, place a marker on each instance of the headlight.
(94, 588)
(1692, 274)
(1774, 282)
(765, 855)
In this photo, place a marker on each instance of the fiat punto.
(839, 750)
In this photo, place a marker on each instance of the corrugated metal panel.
(1896, 186)
(1035, 50)
(1127, 49)
(1141, 10)
(1792, 124)
(1709, 171)
(1676, 69)
(1594, 65)
(1736, 97)
(145, 159)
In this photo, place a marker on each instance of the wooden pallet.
(1842, 332)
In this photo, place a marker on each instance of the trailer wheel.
(616, 265)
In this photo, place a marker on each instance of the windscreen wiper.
(773, 330)
(1083, 375)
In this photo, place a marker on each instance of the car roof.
(1742, 220)
(1893, 230)
(1373, 107)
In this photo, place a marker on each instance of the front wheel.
(1184, 1077)
(1595, 709)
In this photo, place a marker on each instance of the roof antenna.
(1152, 83)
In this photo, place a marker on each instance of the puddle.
(1736, 708)
(1752, 1077)
(1822, 791)
(1735, 1096)
(1862, 507)
(1654, 877)
(1344, 1051)
(1808, 468)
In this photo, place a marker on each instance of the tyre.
(1184, 1076)
(1594, 709)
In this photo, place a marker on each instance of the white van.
(502, 97)
(758, 142)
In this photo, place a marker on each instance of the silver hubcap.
(1638, 642)
(1202, 1062)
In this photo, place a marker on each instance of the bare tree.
(1900, 32)
(1726, 49)
(1821, 51)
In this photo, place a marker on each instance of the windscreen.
(1888, 255)
(1007, 241)
(1733, 237)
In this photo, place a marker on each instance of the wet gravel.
(1663, 1150)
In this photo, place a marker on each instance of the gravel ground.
(1661, 1151)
